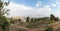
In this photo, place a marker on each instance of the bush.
(12, 22)
(49, 29)
(4, 23)
(31, 25)
(51, 21)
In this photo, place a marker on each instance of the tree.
(52, 17)
(32, 19)
(19, 20)
(4, 11)
(12, 20)
(56, 19)
(27, 19)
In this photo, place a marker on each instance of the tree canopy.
(4, 11)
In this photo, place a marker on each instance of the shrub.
(31, 25)
(49, 29)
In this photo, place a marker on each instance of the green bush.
(31, 25)
(49, 29)
(51, 21)
(12, 21)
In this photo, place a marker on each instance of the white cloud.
(5, 0)
(57, 12)
(22, 10)
(57, 3)
(53, 5)
(46, 10)
(38, 4)
(18, 9)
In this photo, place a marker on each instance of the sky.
(34, 8)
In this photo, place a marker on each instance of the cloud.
(56, 13)
(57, 2)
(54, 5)
(22, 10)
(5, 0)
(18, 9)
(44, 11)
(38, 4)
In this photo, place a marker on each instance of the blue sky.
(33, 2)
(34, 8)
